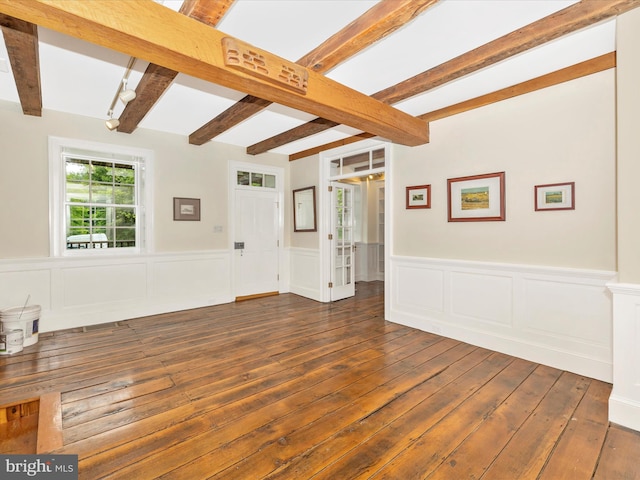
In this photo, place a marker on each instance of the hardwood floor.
(287, 388)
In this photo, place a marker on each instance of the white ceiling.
(81, 78)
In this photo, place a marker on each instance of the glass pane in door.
(344, 236)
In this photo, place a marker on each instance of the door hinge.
(330, 284)
(278, 277)
(330, 188)
(330, 236)
(277, 243)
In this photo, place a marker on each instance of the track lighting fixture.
(123, 93)
(126, 95)
(112, 123)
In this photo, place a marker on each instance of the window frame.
(59, 149)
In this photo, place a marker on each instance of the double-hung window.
(98, 198)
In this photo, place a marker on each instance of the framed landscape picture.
(419, 196)
(477, 198)
(555, 196)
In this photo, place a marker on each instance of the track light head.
(127, 95)
(112, 123)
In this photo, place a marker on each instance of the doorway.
(362, 255)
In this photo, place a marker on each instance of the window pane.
(270, 181)
(77, 192)
(101, 193)
(256, 179)
(124, 174)
(243, 178)
(74, 231)
(127, 235)
(101, 216)
(125, 195)
(99, 222)
(76, 169)
(125, 217)
(78, 215)
(102, 172)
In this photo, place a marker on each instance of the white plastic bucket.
(22, 318)
(10, 342)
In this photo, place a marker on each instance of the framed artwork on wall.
(555, 196)
(477, 198)
(186, 209)
(419, 196)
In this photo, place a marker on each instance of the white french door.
(342, 241)
(256, 242)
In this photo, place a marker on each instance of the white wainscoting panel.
(411, 293)
(17, 286)
(100, 284)
(482, 298)
(76, 292)
(554, 316)
(624, 403)
(304, 267)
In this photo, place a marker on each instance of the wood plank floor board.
(478, 451)
(283, 387)
(619, 456)
(124, 417)
(153, 429)
(394, 436)
(575, 456)
(108, 403)
(334, 392)
(526, 453)
(229, 431)
(143, 442)
(441, 439)
(256, 411)
(327, 441)
(70, 378)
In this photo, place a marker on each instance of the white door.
(256, 242)
(342, 242)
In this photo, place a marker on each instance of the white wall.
(624, 404)
(304, 253)
(189, 266)
(534, 285)
(563, 133)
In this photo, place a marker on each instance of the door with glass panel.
(342, 241)
(256, 236)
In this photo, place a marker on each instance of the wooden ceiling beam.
(568, 20)
(376, 23)
(139, 28)
(157, 79)
(21, 40)
(312, 127)
(582, 69)
(563, 22)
